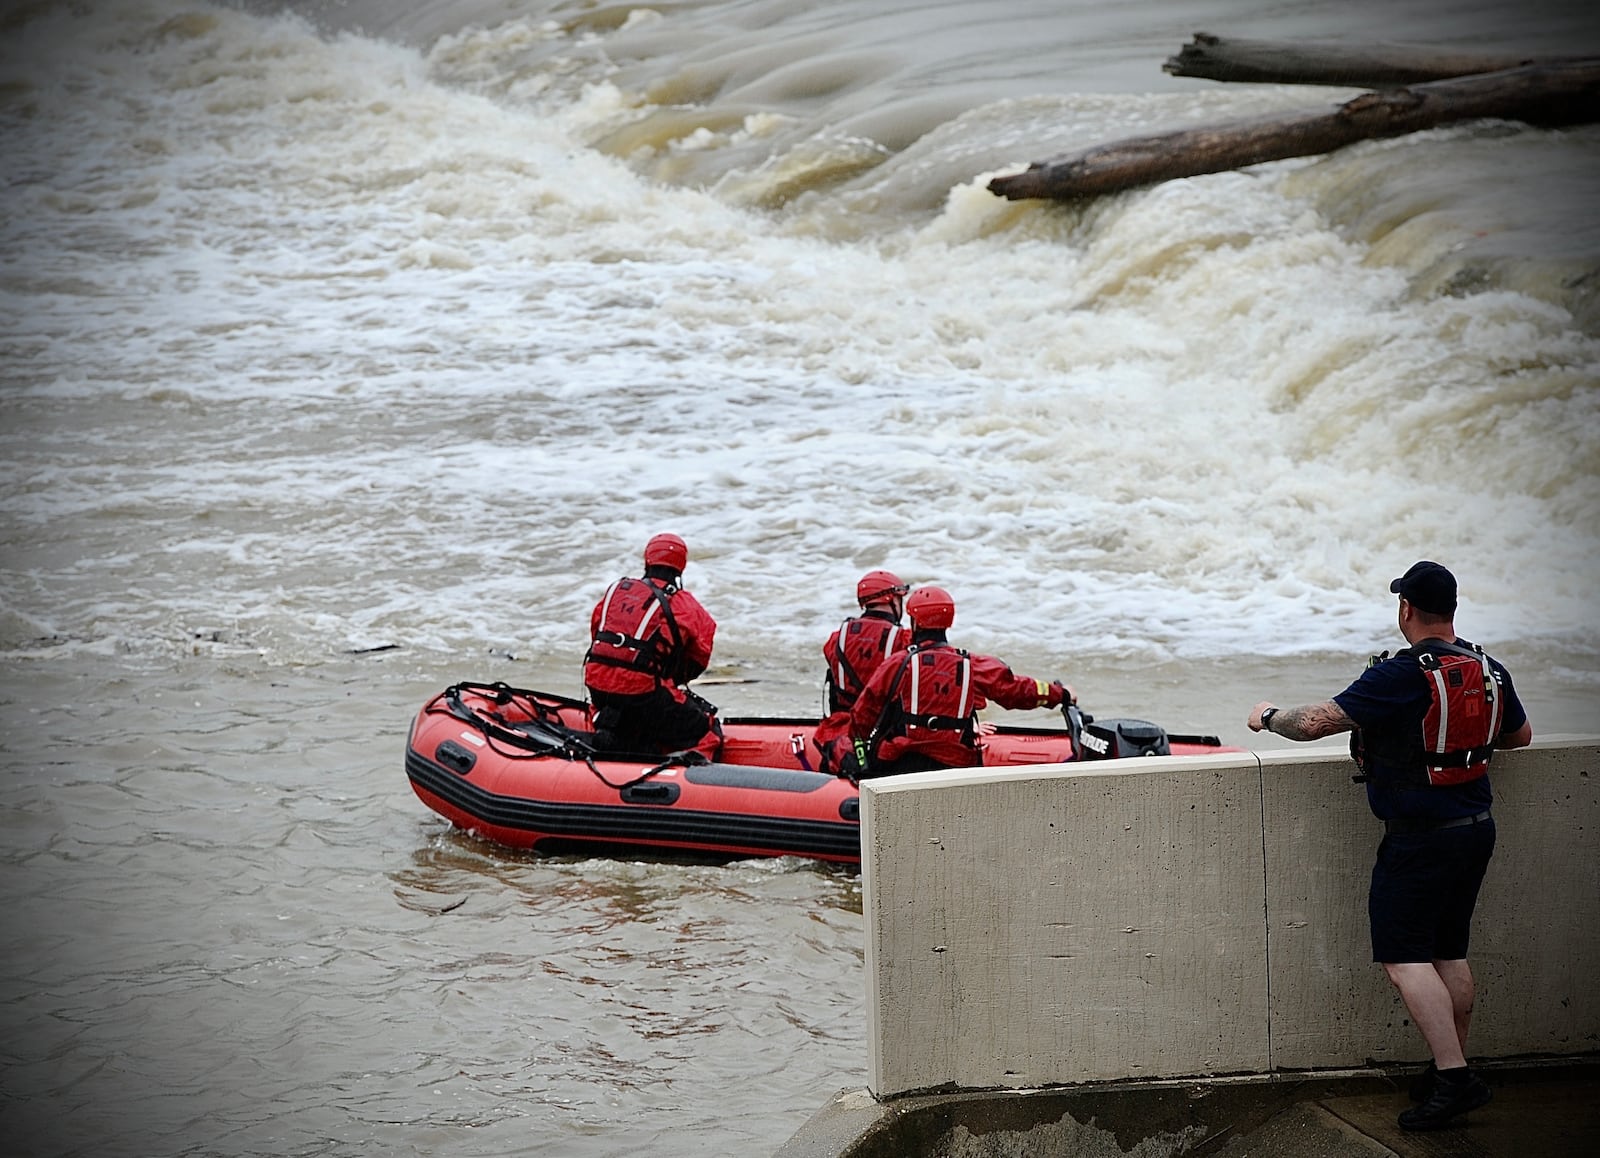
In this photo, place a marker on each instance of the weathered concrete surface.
(1544, 1110)
(1151, 1119)
(1039, 927)
(1050, 926)
(1536, 938)
(1308, 1129)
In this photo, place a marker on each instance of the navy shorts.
(1424, 888)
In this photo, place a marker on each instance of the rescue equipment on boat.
(518, 767)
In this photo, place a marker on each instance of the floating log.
(1335, 63)
(1544, 94)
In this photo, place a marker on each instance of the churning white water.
(311, 344)
(331, 327)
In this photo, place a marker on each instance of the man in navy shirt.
(1425, 723)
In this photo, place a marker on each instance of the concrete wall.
(1160, 918)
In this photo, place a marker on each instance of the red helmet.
(876, 585)
(666, 551)
(931, 607)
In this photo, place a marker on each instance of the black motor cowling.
(1115, 739)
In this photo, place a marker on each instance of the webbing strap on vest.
(641, 640)
(963, 702)
(939, 723)
(1433, 754)
(895, 718)
(843, 679)
(1438, 675)
(1461, 758)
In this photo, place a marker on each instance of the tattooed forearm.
(1312, 721)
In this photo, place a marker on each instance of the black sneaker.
(1422, 1084)
(1448, 1101)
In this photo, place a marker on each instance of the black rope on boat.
(676, 760)
(515, 740)
(556, 739)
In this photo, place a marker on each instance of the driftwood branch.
(1545, 94)
(1335, 63)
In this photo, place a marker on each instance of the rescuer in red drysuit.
(854, 652)
(919, 710)
(649, 638)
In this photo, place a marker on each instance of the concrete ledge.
(1542, 1109)
(1158, 918)
(1037, 927)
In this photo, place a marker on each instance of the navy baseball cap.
(1428, 587)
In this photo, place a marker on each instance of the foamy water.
(380, 325)
(309, 314)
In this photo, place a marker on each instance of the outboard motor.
(1115, 739)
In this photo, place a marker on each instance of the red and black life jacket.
(1458, 732)
(932, 692)
(864, 642)
(637, 630)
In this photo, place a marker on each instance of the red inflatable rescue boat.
(516, 767)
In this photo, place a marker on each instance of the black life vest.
(1457, 735)
(637, 630)
(864, 643)
(932, 690)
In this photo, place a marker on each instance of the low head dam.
(1162, 918)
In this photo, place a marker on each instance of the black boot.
(1454, 1093)
(1422, 1084)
